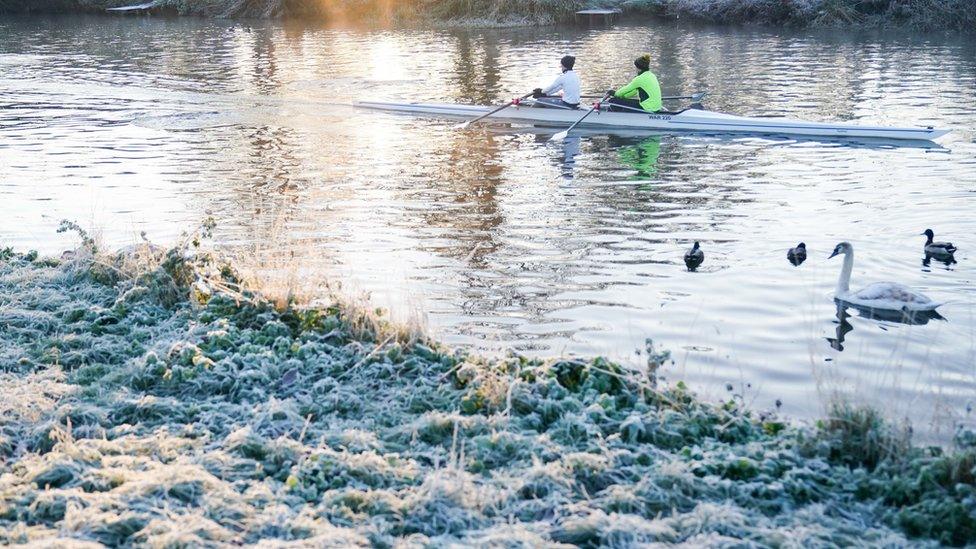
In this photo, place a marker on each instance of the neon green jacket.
(646, 88)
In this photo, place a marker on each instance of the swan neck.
(844, 283)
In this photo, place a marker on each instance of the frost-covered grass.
(919, 14)
(150, 399)
(473, 12)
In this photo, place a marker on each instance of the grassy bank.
(515, 12)
(150, 398)
(918, 14)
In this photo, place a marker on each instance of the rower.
(644, 87)
(568, 83)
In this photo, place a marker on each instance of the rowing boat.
(693, 120)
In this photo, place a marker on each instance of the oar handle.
(696, 96)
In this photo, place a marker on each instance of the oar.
(562, 135)
(505, 106)
(697, 96)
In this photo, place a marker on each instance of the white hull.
(694, 120)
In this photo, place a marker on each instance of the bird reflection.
(844, 327)
(947, 260)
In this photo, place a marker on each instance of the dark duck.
(797, 255)
(694, 257)
(937, 249)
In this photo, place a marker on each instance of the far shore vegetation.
(153, 397)
(912, 14)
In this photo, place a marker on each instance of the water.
(501, 239)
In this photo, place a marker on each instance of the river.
(500, 240)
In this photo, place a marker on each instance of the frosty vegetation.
(149, 399)
(918, 14)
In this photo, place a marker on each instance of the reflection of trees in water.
(747, 70)
(254, 176)
(467, 187)
(263, 64)
(678, 177)
(265, 190)
(471, 169)
(260, 178)
(476, 67)
(268, 212)
(270, 159)
(563, 250)
(181, 48)
(263, 193)
(828, 71)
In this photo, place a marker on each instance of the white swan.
(880, 295)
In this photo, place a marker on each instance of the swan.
(880, 295)
(937, 249)
(694, 257)
(797, 255)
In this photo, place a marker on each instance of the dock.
(599, 15)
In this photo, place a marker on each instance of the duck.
(797, 255)
(694, 257)
(881, 296)
(937, 249)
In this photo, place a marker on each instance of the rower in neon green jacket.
(644, 86)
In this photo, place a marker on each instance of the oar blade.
(463, 125)
(559, 136)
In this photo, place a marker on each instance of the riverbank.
(151, 397)
(916, 14)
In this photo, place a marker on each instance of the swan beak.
(833, 254)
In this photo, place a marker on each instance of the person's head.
(567, 62)
(643, 62)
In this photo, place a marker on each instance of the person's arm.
(629, 90)
(556, 85)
